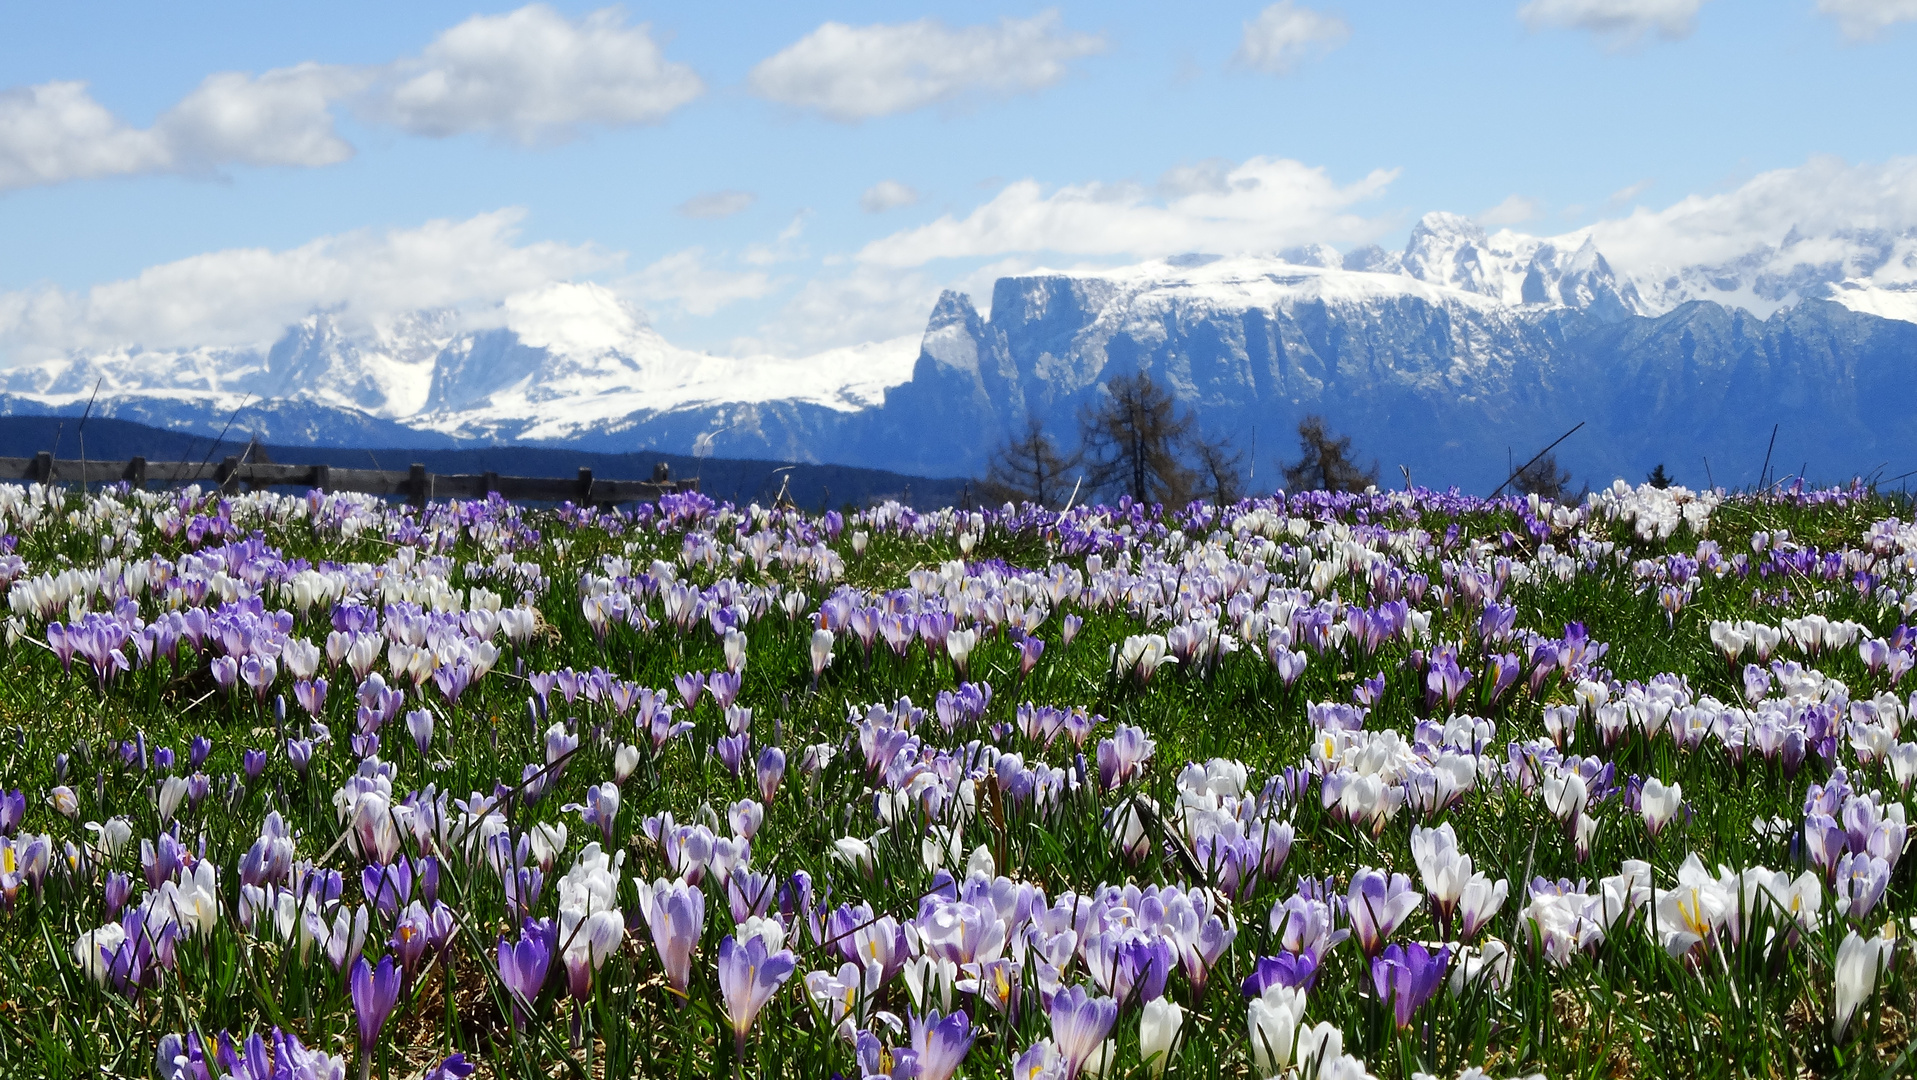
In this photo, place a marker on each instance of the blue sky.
(709, 162)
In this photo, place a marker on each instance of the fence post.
(228, 476)
(662, 473)
(43, 467)
(136, 473)
(492, 484)
(585, 487)
(322, 477)
(416, 480)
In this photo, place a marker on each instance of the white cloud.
(247, 296)
(535, 76)
(1514, 210)
(887, 195)
(1861, 20)
(283, 117)
(1629, 193)
(56, 132)
(717, 204)
(683, 281)
(532, 76)
(1825, 195)
(1260, 205)
(1623, 23)
(870, 303)
(1284, 34)
(852, 73)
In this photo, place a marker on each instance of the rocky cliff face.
(1450, 358)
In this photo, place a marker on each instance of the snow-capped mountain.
(564, 362)
(1437, 356)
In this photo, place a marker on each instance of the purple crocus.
(419, 724)
(676, 913)
(1122, 757)
(1296, 970)
(941, 1043)
(771, 771)
(522, 968)
(13, 810)
(388, 888)
(375, 993)
(1080, 1023)
(732, 750)
(1408, 975)
(1029, 650)
(690, 686)
(724, 688)
(254, 762)
(1377, 905)
(311, 694)
(748, 977)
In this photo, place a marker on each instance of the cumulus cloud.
(1284, 34)
(535, 76)
(247, 296)
(531, 76)
(887, 195)
(868, 303)
(852, 73)
(1260, 205)
(56, 132)
(1622, 24)
(686, 282)
(1821, 197)
(282, 117)
(1861, 20)
(1514, 210)
(717, 204)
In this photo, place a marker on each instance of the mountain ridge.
(1430, 356)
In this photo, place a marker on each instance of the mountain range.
(1452, 358)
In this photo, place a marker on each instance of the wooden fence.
(414, 484)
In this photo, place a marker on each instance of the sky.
(786, 178)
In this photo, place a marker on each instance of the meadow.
(1327, 785)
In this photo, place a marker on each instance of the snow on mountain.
(562, 360)
(1494, 330)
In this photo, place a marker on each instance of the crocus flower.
(1158, 1028)
(522, 968)
(419, 724)
(1295, 970)
(1658, 803)
(1407, 976)
(1274, 1018)
(731, 751)
(676, 913)
(375, 993)
(748, 977)
(1859, 959)
(821, 654)
(941, 1043)
(1377, 905)
(771, 770)
(1080, 1023)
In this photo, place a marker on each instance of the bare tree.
(1133, 439)
(1218, 466)
(1029, 468)
(1326, 463)
(1543, 478)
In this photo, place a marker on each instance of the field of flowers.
(1325, 786)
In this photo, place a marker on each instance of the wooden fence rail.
(415, 484)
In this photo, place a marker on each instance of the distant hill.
(737, 481)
